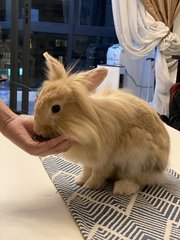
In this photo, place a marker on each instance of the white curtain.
(138, 34)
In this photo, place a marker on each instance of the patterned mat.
(151, 214)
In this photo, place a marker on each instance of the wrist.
(6, 115)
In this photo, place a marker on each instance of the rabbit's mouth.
(44, 133)
(45, 137)
(40, 138)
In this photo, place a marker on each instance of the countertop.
(30, 207)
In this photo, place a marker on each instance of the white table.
(30, 207)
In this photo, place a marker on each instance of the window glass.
(95, 13)
(89, 51)
(50, 11)
(54, 44)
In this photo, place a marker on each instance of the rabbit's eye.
(56, 108)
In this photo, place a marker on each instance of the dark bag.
(174, 106)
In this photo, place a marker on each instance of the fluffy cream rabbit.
(116, 135)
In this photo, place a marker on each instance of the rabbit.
(115, 134)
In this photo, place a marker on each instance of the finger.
(57, 140)
(28, 123)
(39, 148)
(62, 147)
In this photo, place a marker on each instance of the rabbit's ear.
(95, 78)
(55, 69)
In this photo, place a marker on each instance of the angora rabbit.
(115, 134)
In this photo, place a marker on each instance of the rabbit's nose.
(36, 129)
(38, 135)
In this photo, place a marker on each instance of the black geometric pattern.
(151, 214)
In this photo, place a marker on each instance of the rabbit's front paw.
(125, 187)
(83, 177)
(80, 180)
(91, 184)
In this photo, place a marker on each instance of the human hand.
(19, 130)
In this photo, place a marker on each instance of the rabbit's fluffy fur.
(115, 134)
